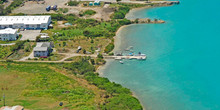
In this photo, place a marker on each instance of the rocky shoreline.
(147, 21)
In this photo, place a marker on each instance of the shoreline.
(117, 42)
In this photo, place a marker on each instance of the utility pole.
(4, 99)
(3, 89)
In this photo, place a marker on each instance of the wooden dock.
(139, 57)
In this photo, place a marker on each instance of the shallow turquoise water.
(182, 71)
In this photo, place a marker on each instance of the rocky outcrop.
(147, 20)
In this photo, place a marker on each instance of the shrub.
(109, 48)
(87, 12)
(92, 61)
(73, 3)
(121, 12)
(100, 56)
(124, 22)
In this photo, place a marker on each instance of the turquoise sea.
(182, 71)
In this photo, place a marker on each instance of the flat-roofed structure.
(8, 34)
(25, 22)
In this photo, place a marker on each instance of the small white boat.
(121, 62)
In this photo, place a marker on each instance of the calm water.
(182, 71)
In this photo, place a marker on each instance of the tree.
(38, 39)
(92, 41)
(84, 51)
(1, 9)
(64, 44)
(73, 3)
(92, 61)
(86, 33)
(100, 56)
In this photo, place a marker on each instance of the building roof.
(42, 46)
(8, 31)
(10, 20)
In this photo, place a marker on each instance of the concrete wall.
(9, 37)
(40, 53)
(29, 26)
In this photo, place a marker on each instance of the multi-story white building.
(25, 22)
(8, 34)
(42, 49)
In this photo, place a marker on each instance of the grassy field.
(40, 86)
(88, 44)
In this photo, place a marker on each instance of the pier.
(139, 57)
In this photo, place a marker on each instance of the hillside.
(43, 86)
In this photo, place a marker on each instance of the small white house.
(8, 34)
(42, 49)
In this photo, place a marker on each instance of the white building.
(25, 22)
(42, 49)
(8, 34)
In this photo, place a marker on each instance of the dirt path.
(26, 58)
(6, 4)
(67, 55)
(7, 44)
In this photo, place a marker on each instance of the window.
(38, 25)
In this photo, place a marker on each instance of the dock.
(139, 57)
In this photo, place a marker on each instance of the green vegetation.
(109, 47)
(121, 12)
(44, 86)
(73, 3)
(87, 12)
(19, 50)
(63, 10)
(2, 1)
(39, 86)
(118, 96)
(123, 9)
(84, 27)
(12, 6)
(5, 51)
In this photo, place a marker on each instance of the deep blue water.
(182, 71)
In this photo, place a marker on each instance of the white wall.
(9, 37)
(40, 53)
